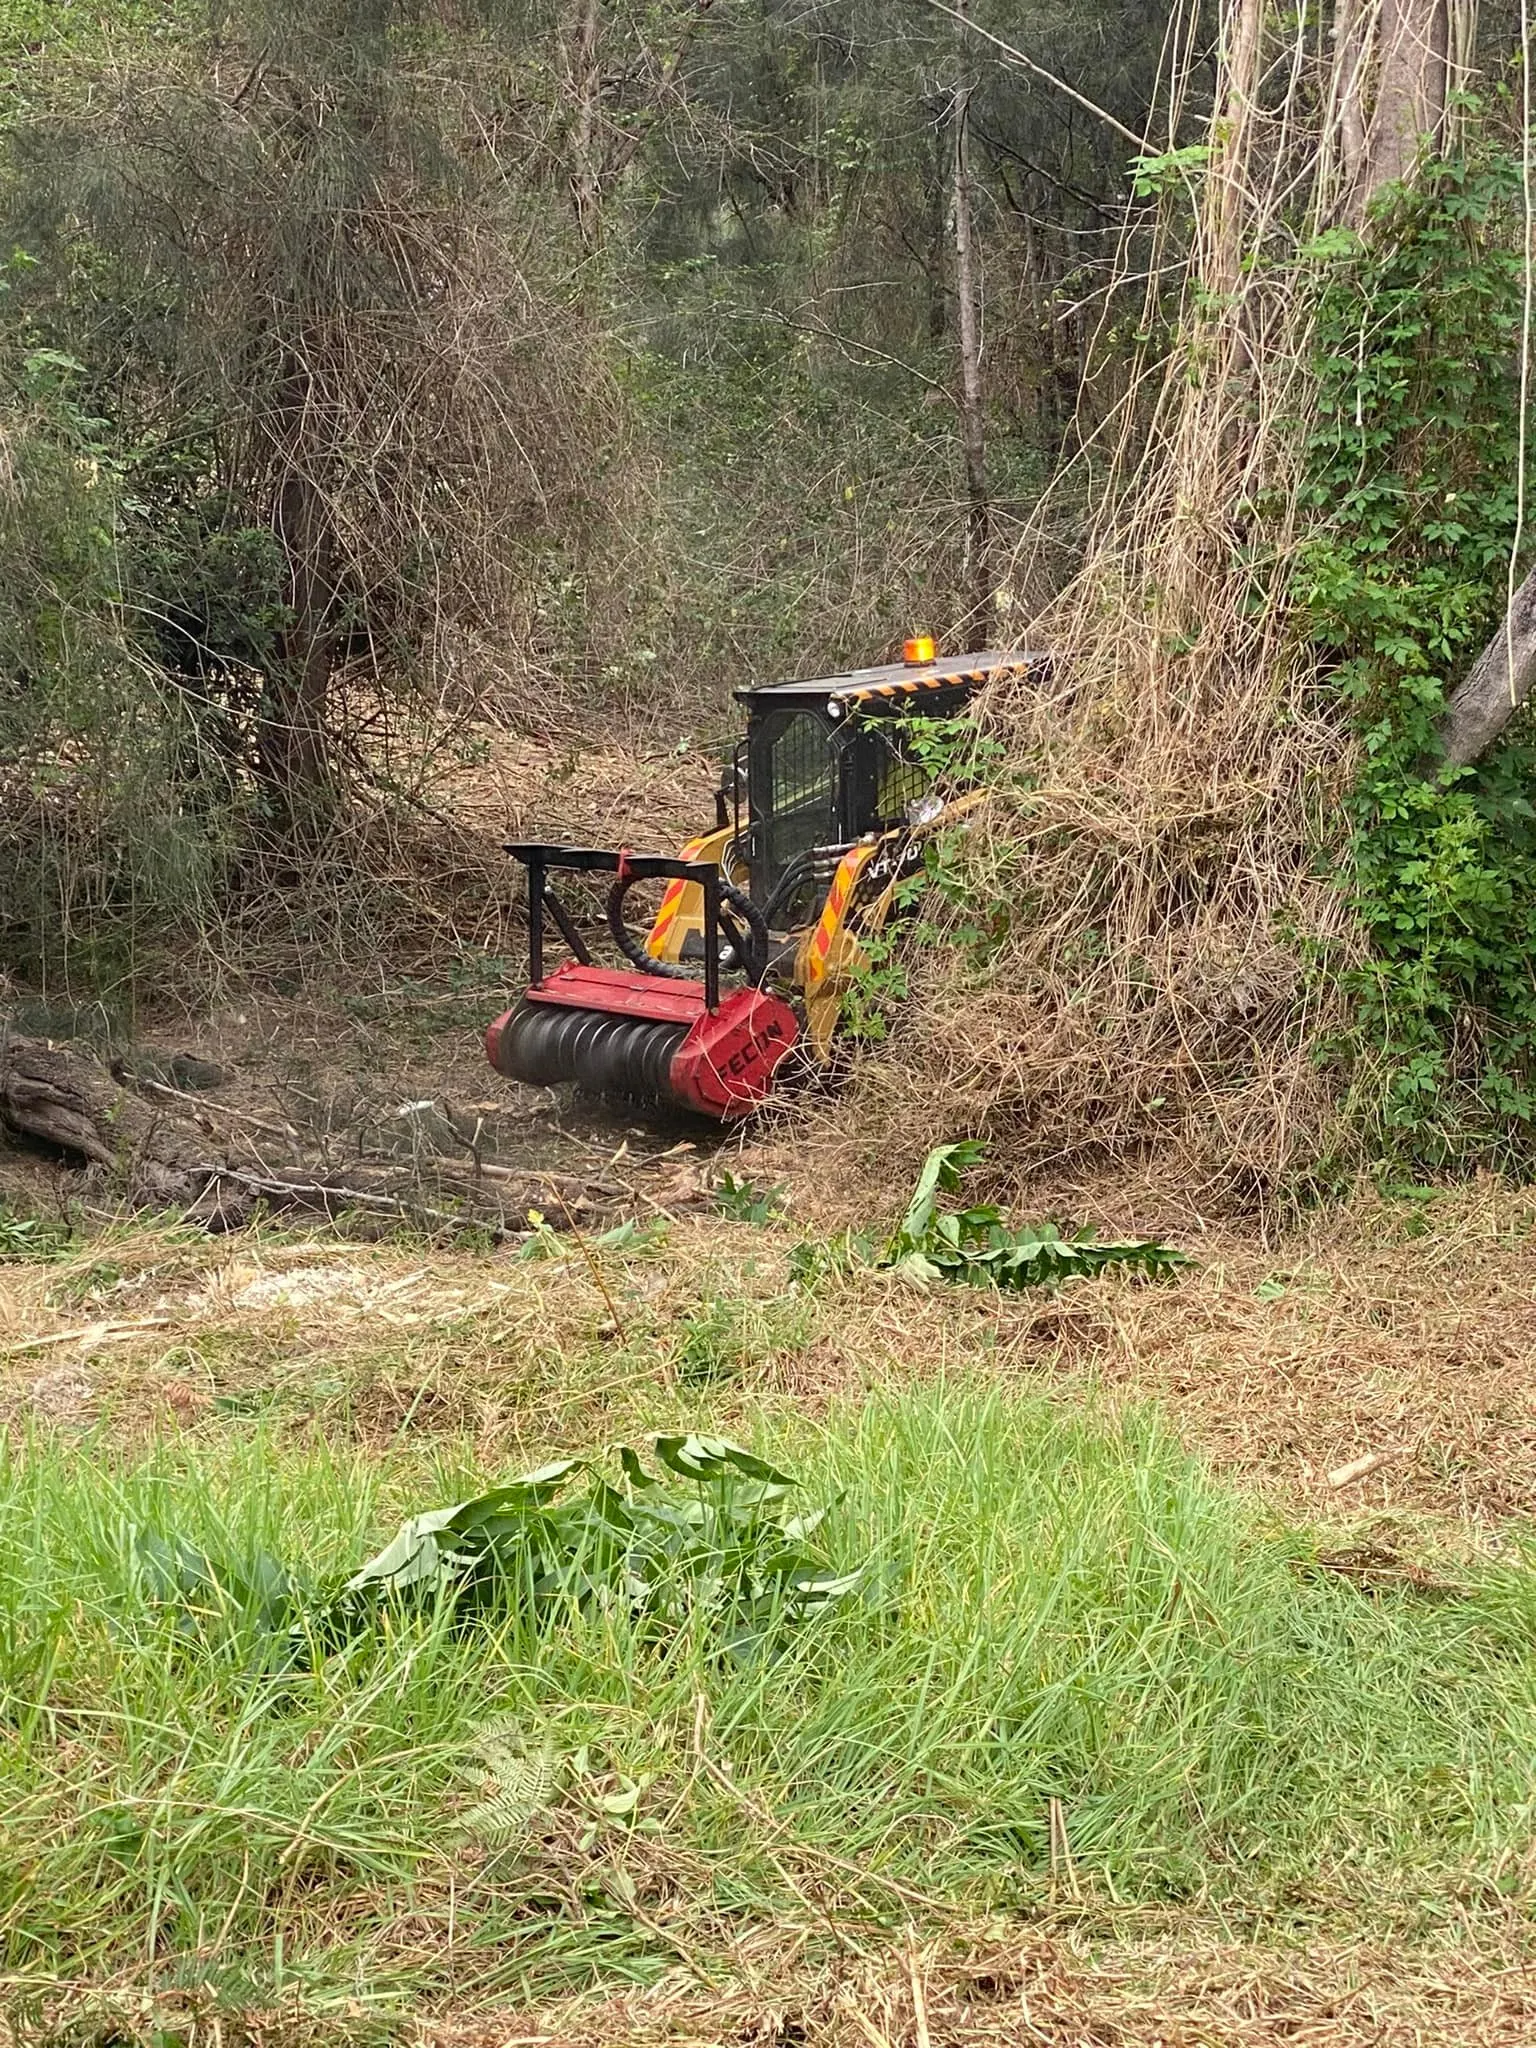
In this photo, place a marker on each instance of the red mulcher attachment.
(656, 1036)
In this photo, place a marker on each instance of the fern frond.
(521, 1782)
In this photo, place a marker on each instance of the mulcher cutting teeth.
(717, 1063)
(549, 1047)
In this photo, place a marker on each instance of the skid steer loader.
(825, 809)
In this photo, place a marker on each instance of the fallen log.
(165, 1153)
(59, 1096)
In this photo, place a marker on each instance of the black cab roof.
(900, 679)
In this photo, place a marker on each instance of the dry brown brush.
(1165, 851)
(319, 329)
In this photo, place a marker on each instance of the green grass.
(1080, 1615)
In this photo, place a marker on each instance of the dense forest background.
(375, 370)
(504, 356)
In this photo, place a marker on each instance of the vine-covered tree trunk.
(1394, 76)
(1397, 59)
(1230, 202)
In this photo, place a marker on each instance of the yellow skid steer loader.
(826, 808)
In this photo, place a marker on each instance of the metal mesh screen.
(899, 779)
(799, 806)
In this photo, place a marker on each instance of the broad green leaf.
(412, 1556)
(918, 1268)
(531, 1490)
(713, 1457)
(720, 1548)
(942, 1170)
(827, 1588)
(799, 1528)
(633, 1470)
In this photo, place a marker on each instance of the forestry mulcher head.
(826, 810)
(657, 1036)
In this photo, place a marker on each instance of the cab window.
(899, 778)
(799, 785)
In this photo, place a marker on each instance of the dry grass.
(1279, 1363)
(993, 1988)
(1161, 868)
(1357, 1339)
(577, 781)
(388, 1342)
(1001, 1988)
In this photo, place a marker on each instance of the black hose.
(747, 945)
(818, 865)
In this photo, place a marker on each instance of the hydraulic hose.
(747, 946)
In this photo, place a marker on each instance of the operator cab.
(830, 761)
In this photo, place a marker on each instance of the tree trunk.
(1228, 213)
(1353, 28)
(938, 225)
(1412, 83)
(1499, 682)
(294, 750)
(1416, 54)
(585, 81)
(973, 426)
(54, 1095)
(292, 742)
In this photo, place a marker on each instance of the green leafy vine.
(1411, 488)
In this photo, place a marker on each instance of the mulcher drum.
(645, 1040)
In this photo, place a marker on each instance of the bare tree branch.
(1015, 56)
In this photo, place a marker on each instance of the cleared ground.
(1175, 1722)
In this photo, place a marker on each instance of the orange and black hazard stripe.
(947, 682)
(671, 904)
(839, 896)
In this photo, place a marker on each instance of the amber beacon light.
(918, 649)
